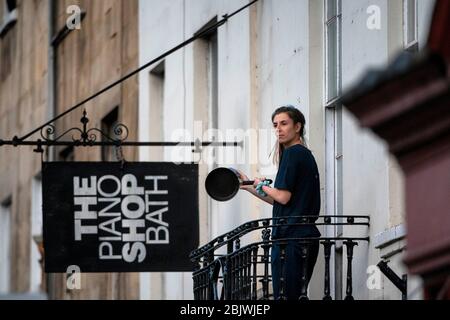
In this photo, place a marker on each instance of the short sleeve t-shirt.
(298, 174)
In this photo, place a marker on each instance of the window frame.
(333, 138)
(335, 18)
(6, 242)
(412, 45)
(36, 232)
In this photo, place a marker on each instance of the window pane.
(331, 8)
(214, 80)
(36, 235)
(109, 153)
(411, 21)
(5, 243)
(332, 57)
(156, 107)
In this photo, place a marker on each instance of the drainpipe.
(51, 110)
(51, 97)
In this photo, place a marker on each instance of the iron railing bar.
(213, 247)
(121, 143)
(220, 239)
(293, 239)
(303, 216)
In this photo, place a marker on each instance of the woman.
(296, 192)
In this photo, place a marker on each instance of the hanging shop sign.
(110, 217)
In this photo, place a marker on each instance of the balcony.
(228, 271)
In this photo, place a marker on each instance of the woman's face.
(285, 130)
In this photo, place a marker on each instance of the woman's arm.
(279, 195)
(273, 194)
(252, 190)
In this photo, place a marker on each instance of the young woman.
(296, 192)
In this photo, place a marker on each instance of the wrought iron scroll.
(85, 136)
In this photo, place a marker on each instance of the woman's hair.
(298, 117)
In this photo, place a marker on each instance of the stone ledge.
(390, 235)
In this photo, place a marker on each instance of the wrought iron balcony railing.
(227, 271)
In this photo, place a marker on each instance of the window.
(333, 132)
(36, 250)
(213, 119)
(333, 49)
(8, 16)
(206, 85)
(109, 122)
(208, 50)
(410, 27)
(157, 84)
(213, 80)
(5, 245)
(209, 53)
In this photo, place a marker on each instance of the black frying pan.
(222, 184)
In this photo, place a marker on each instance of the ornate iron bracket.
(84, 137)
(88, 137)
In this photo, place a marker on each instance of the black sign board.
(102, 217)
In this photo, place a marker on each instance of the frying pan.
(222, 184)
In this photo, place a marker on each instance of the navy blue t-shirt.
(298, 174)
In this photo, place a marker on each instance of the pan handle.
(250, 182)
